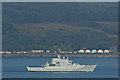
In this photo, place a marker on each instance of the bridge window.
(57, 63)
(51, 64)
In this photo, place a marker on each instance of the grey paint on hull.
(62, 65)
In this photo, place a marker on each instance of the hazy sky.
(60, 0)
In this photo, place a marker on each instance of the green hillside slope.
(68, 26)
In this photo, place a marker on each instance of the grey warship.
(62, 65)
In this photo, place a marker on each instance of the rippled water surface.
(16, 68)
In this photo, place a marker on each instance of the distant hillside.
(69, 26)
(59, 12)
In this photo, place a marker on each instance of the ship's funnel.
(67, 57)
(58, 56)
(63, 57)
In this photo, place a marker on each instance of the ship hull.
(81, 68)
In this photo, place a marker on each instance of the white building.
(37, 51)
(81, 51)
(100, 51)
(6, 52)
(106, 51)
(87, 51)
(47, 51)
(94, 51)
(21, 52)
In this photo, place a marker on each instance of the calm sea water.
(16, 68)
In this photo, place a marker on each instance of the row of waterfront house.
(60, 51)
(94, 51)
(87, 51)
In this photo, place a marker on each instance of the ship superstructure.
(62, 65)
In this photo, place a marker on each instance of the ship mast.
(59, 56)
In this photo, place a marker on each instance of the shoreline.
(62, 55)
